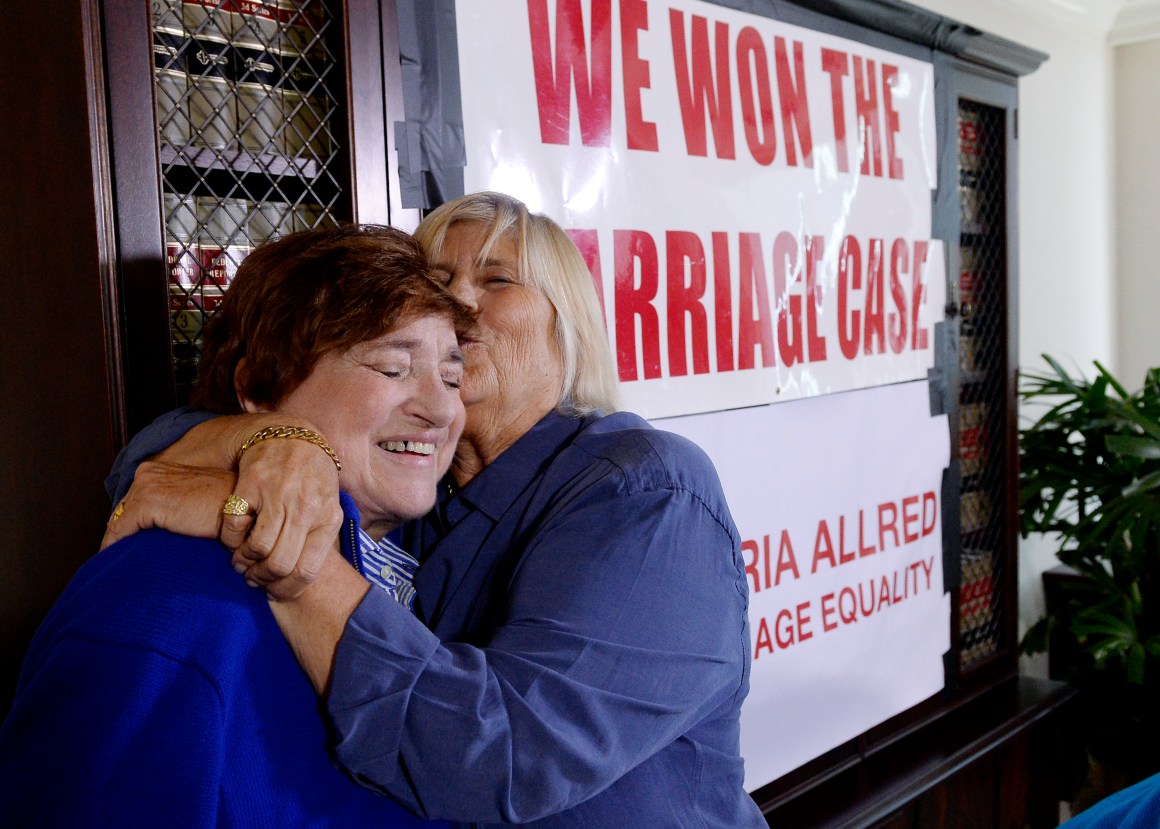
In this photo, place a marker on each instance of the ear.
(240, 386)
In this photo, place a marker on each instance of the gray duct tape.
(430, 139)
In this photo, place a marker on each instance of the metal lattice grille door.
(982, 369)
(247, 113)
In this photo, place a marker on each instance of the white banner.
(838, 500)
(753, 198)
(754, 202)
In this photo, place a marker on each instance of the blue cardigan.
(160, 692)
(1137, 807)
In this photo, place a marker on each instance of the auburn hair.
(305, 295)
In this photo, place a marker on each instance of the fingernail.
(240, 567)
(252, 583)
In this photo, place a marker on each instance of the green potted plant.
(1090, 477)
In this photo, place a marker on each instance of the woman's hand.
(292, 486)
(182, 499)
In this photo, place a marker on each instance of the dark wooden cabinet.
(1004, 757)
(230, 123)
(994, 749)
(63, 412)
(119, 177)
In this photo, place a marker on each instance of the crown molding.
(1137, 21)
(1091, 19)
(916, 24)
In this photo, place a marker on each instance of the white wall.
(1137, 118)
(1067, 293)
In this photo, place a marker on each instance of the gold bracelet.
(298, 432)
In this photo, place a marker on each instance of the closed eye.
(500, 278)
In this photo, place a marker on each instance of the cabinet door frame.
(143, 374)
(996, 90)
(142, 362)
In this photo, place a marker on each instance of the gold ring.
(118, 512)
(236, 506)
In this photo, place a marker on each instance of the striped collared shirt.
(388, 566)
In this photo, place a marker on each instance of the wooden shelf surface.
(892, 776)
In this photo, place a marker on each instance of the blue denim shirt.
(158, 436)
(588, 650)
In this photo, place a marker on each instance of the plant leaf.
(1140, 485)
(1090, 479)
(1035, 640)
(1134, 664)
(1107, 375)
(1151, 645)
(1111, 626)
(1133, 445)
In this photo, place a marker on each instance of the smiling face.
(514, 367)
(390, 407)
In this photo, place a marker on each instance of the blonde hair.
(548, 257)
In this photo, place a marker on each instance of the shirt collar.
(500, 483)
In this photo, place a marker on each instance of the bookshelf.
(247, 105)
(982, 365)
(984, 390)
(154, 144)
